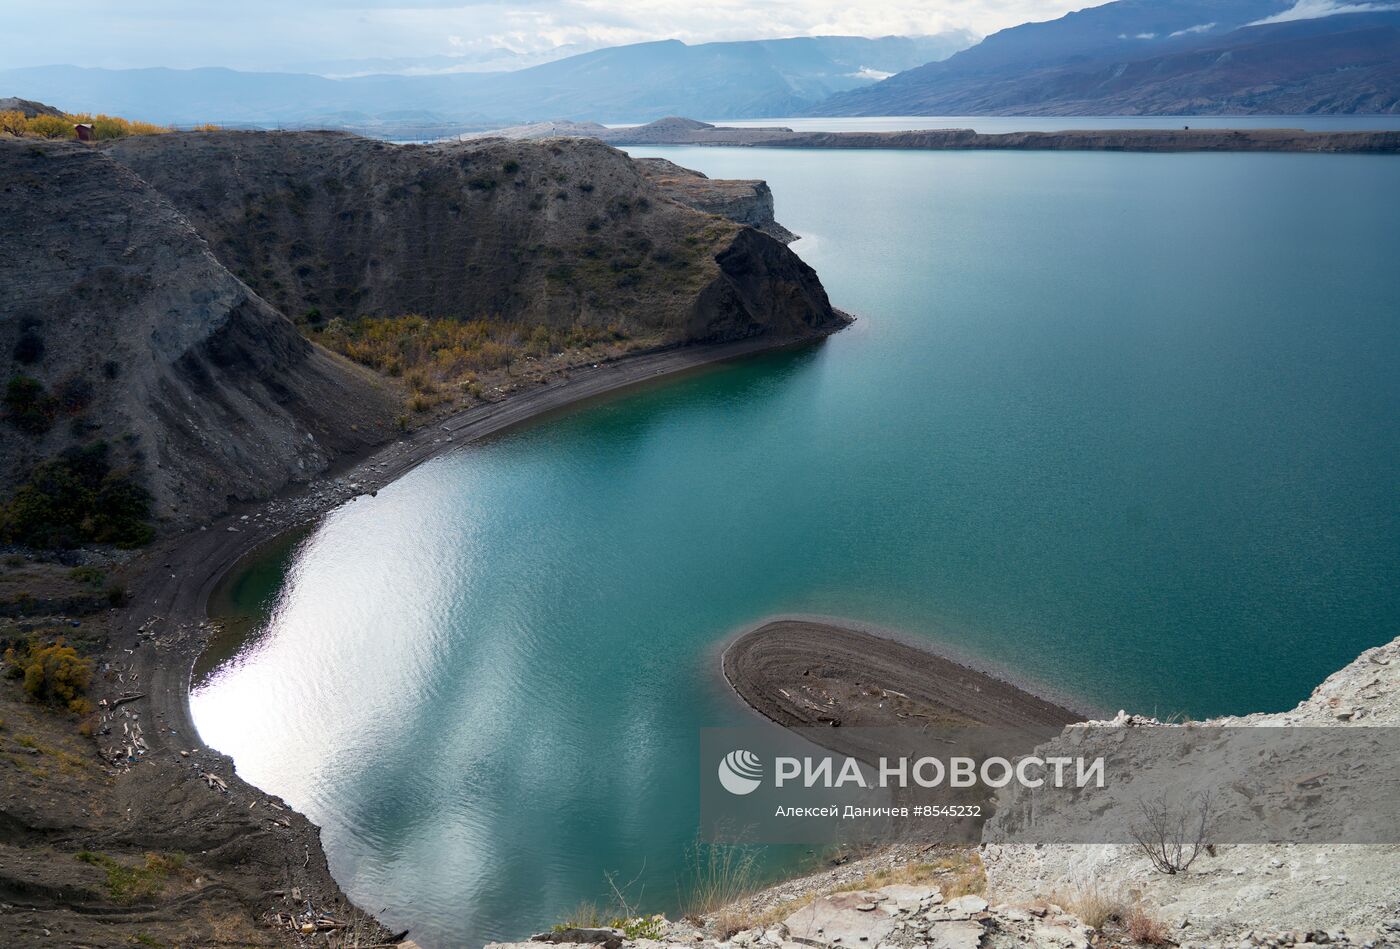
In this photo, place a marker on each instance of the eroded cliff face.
(152, 287)
(558, 232)
(139, 338)
(746, 201)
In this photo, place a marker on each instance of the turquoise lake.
(1128, 425)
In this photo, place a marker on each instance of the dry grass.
(585, 915)
(441, 351)
(730, 920)
(1146, 929)
(956, 873)
(777, 913)
(721, 875)
(1095, 907)
(448, 361)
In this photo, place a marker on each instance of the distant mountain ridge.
(635, 83)
(1141, 57)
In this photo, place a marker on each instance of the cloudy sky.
(260, 34)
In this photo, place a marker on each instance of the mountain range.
(1154, 57)
(1163, 57)
(639, 82)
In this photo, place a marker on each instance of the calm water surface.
(1129, 424)
(992, 124)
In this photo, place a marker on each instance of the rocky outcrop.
(144, 281)
(1002, 896)
(29, 107)
(896, 916)
(560, 232)
(141, 339)
(1256, 894)
(745, 201)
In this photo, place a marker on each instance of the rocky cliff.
(559, 232)
(152, 287)
(121, 328)
(745, 201)
(1269, 894)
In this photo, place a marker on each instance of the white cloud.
(1198, 28)
(865, 72)
(1316, 9)
(261, 34)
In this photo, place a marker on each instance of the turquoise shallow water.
(1129, 424)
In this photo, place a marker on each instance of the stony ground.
(1268, 893)
(1075, 897)
(901, 898)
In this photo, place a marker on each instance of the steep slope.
(638, 82)
(1185, 58)
(745, 201)
(559, 233)
(127, 332)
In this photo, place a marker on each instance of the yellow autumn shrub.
(52, 673)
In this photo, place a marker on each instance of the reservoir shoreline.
(180, 574)
(683, 131)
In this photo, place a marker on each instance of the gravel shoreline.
(804, 673)
(169, 626)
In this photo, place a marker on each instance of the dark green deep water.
(1126, 424)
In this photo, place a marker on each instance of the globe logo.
(740, 772)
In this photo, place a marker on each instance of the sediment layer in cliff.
(153, 286)
(127, 331)
(556, 233)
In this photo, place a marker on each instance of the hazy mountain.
(620, 84)
(1140, 56)
(490, 59)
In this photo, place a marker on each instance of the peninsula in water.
(682, 131)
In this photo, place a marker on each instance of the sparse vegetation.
(957, 873)
(431, 354)
(1144, 928)
(28, 407)
(1095, 907)
(29, 348)
(78, 498)
(104, 127)
(585, 915)
(129, 884)
(91, 576)
(1173, 836)
(721, 876)
(53, 673)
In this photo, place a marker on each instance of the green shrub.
(77, 498)
(27, 406)
(128, 884)
(53, 673)
(89, 575)
(29, 348)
